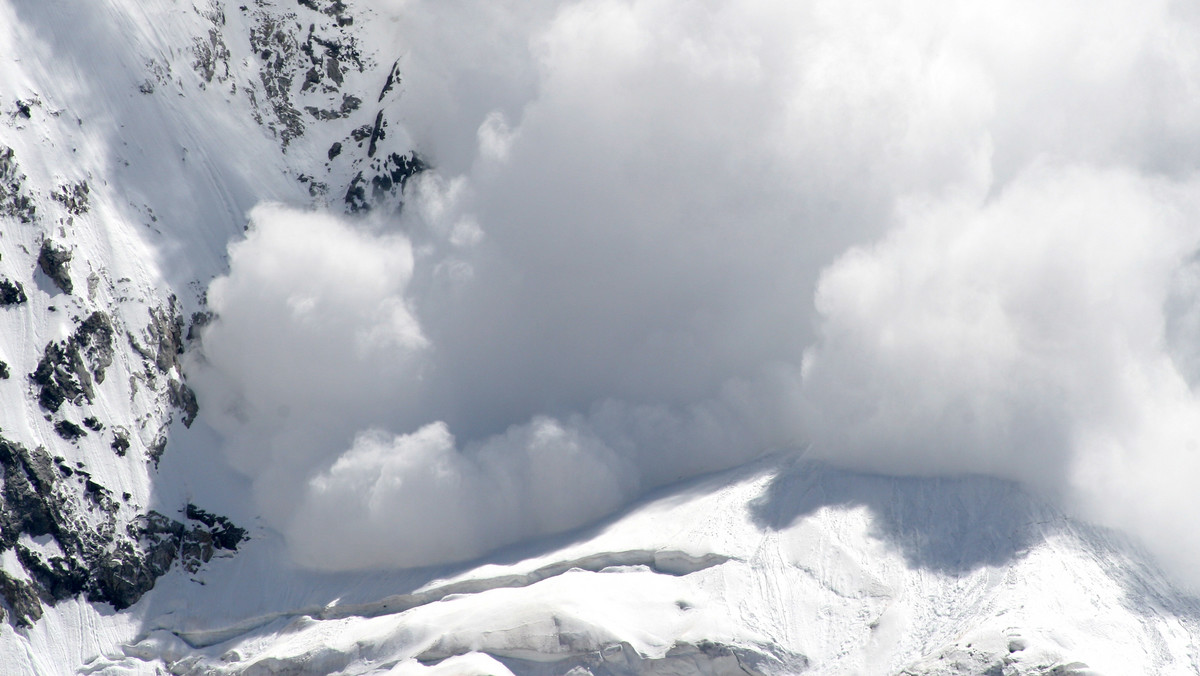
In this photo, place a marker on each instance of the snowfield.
(783, 567)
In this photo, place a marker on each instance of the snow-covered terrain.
(407, 337)
(782, 567)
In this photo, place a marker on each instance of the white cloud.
(1025, 338)
(314, 338)
(613, 271)
(416, 499)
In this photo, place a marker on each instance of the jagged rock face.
(67, 369)
(73, 197)
(104, 364)
(55, 263)
(73, 537)
(12, 293)
(90, 543)
(306, 61)
(15, 201)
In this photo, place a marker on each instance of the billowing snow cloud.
(416, 498)
(665, 237)
(993, 337)
(1024, 337)
(315, 339)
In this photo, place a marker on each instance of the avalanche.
(404, 337)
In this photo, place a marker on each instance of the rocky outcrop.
(67, 370)
(160, 346)
(21, 601)
(390, 176)
(294, 64)
(12, 293)
(73, 537)
(55, 263)
(296, 67)
(15, 201)
(73, 197)
(305, 55)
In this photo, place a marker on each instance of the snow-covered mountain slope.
(776, 568)
(135, 139)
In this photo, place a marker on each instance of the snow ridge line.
(664, 562)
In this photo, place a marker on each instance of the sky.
(666, 237)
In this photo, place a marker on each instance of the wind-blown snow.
(662, 238)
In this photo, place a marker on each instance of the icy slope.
(769, 569)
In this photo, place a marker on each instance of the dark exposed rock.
(11, 293)
(97, 495)
(315, 187)
(396, 172)
(57, 578)
(335, 150)
(158, 447)
(195, 550)
(55, 263)
(165, 332)
(199, 321)
(212, 56)
(4, 373)
(27, 493)
(69, 430)
(66, 370)
(105, 563)
(387, 185)
(393, 79)
(93, 423)
(334, 8)
(120, 442)
(21, 599)
(164, 344)
(277, 48)
(225, 535)
(15, 201)
(183, 398)
(377, 133)
(293, 64)
(356, 195)
(333, 70)
(311, 78)
(73, 196)
(199, 544)
(94, 338)
(349, 105)
(60, 377)
(132, 570)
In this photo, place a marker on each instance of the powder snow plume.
(662, 238)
